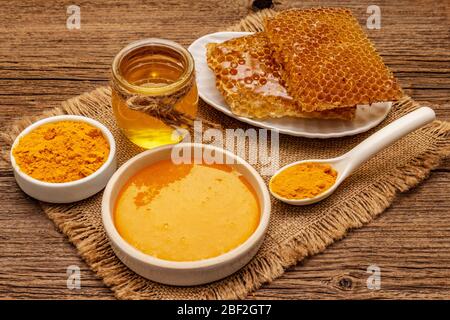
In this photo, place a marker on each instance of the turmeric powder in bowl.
(303, 180)
(61, 151)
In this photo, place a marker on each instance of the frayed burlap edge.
(357, 211)
(354, 213)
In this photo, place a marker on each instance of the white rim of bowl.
(117, 239)
(106, 133)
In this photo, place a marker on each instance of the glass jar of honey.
(157, 75)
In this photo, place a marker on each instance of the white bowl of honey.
(186, 221)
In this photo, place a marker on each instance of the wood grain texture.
(42, 63)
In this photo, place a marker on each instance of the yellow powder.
(304, 180)
(61, 151)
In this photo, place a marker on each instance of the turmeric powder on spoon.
(303, 180)
(61, 151)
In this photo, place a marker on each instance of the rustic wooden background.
(43, 63)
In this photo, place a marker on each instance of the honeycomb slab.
(328, 60)
(251, 81)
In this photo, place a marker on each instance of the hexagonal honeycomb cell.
(250, 81)
(328, 60)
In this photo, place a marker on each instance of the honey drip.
(251, 81)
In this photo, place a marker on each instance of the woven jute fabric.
(294, 232)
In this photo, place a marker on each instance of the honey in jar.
(159, 72)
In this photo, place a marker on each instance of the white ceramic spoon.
(352, 160)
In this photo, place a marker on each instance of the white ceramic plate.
(366, 117)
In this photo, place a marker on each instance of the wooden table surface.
(43, 63)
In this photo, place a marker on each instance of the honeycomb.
(250, 81)
(328, 61)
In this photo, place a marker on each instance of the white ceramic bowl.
(190, 272)
(67, 192)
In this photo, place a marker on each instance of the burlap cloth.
(294, 232)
